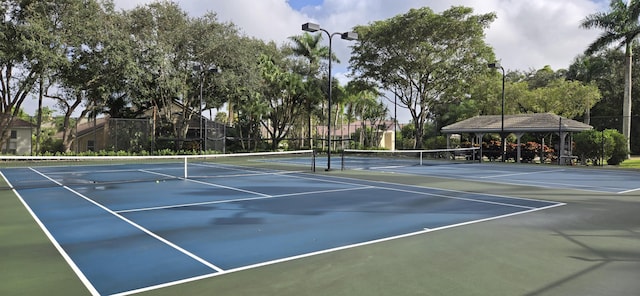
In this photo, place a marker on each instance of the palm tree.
(621, 26)
(308, 46)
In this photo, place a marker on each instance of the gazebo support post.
(519, 148)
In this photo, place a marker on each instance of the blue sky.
(299, 4)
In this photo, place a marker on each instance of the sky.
(526, 35)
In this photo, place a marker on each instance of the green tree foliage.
(539, 91)
(92, 60)
(424, 57)
(594, 146)
(361, 103)
(283, 94)
(372, 114)
(308, 46)
(28, 45)
(605, 69)
(565, 98)
(621, 27)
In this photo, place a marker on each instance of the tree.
(565, 98)
(602, 70)
(542, 77)
(93, 58)
(221, 117)
(608, 145)
(605, 69)
(308, 46)
(171, 46)
(375, 112)
(361, 102)
(283, 93)
(423, 57)
(28, 47)
(356, 94)
(621, 26)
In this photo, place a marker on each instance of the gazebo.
(518, 125)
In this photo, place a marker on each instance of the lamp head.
(349, 36)
(310, 27)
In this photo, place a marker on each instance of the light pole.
(212, 69)
(502, 135)
(311, 27)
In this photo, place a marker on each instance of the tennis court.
(550, 176)
(128, 228)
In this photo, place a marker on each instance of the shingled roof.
(519, 123)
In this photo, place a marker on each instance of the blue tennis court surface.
(547, 176)
(123, 238)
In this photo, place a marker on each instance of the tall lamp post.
(502, 135)
(311, 27)
(212, 69)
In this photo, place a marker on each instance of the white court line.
(248, 174)
(228, 167)
(388, 167)
(426, 230)
(148, 232)
(55, 243)
(557, 185)
(240, 199)
(539, 184)
(459, 198)
(207, 183)
(518, 174)
(431, 194)
(627, 191)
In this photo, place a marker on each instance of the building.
(19, 142)
(344, 133)
(518, 124)
(91, 135)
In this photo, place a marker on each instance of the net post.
(342, 160)
(421, 157)
(313, 160)
(185, 168)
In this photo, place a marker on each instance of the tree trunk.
(626, 105)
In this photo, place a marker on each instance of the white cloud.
(532, 34)
(526, 34)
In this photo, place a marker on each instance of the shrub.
(593, 145)
(620, 151)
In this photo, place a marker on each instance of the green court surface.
(590, 246)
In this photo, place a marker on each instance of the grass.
(633, 163)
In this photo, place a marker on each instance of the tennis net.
(49, 171)
(372, 159)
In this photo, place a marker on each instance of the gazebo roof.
(519, 123)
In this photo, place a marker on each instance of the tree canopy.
(621, 27)
(423, 57)
(91, 59)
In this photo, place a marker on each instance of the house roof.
(19, 123)
(90, 126)
(536, 122)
